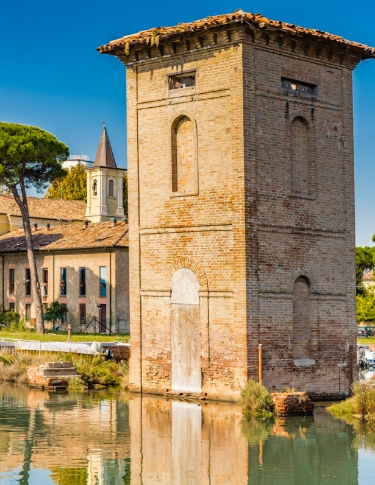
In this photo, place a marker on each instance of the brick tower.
(241, 197)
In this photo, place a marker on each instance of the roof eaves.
(147, 37)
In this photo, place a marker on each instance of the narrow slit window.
(110, 188)
(95, 188)
(301, 318)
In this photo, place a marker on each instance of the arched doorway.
(186, 346)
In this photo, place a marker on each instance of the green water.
(102, 438)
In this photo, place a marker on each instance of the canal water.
(103, 438)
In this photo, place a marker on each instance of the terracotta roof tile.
(157, 34)
(65, 210)
(69, 236)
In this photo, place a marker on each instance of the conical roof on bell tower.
(104, 155)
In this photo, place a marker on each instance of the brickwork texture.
(245, 178)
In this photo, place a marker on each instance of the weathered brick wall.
(265, 212)
(304, 215)
(170, 230)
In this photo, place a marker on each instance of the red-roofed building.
(81, 263)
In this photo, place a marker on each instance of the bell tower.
(104, 184)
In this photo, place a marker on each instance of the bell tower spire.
(104, 184)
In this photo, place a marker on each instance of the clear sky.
(52, 76)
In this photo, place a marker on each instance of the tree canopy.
(55, 311)
(364, 261)
(365, 303)
(71, 186)
(29, 157)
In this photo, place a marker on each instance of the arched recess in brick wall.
(301, 156)
(184, 156)
(301, 318)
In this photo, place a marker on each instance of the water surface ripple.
(109, 438)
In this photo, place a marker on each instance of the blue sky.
(52, 76)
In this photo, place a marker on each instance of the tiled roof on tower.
(104, 155)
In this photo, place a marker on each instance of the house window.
(111, 188)
(181, 80)
(102, 281)
(11, 281)
(82, 281)
(11, 306)
(82, 313)
(95, 188)
(63, 281)
(27, 311)
(44, 282)
(27, 282)
(298, 87)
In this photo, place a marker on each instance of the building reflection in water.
(112, 439)
(183, 443)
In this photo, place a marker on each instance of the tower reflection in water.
(112, 439)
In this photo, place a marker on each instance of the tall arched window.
(184, 166)
(95, 188)
(111, 191)
(301, 318)
(299, 148)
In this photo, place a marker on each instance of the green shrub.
(95, 370)
(362, 402)
(11, 320)
(255, 401)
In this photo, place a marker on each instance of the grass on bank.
(361, 404)
(61, 336)
(93, 371)
(366, 341)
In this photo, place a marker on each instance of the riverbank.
(93, 371)
(62, 336)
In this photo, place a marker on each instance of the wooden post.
(260, 364)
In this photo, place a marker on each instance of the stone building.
(241, 197)
(82, 264)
